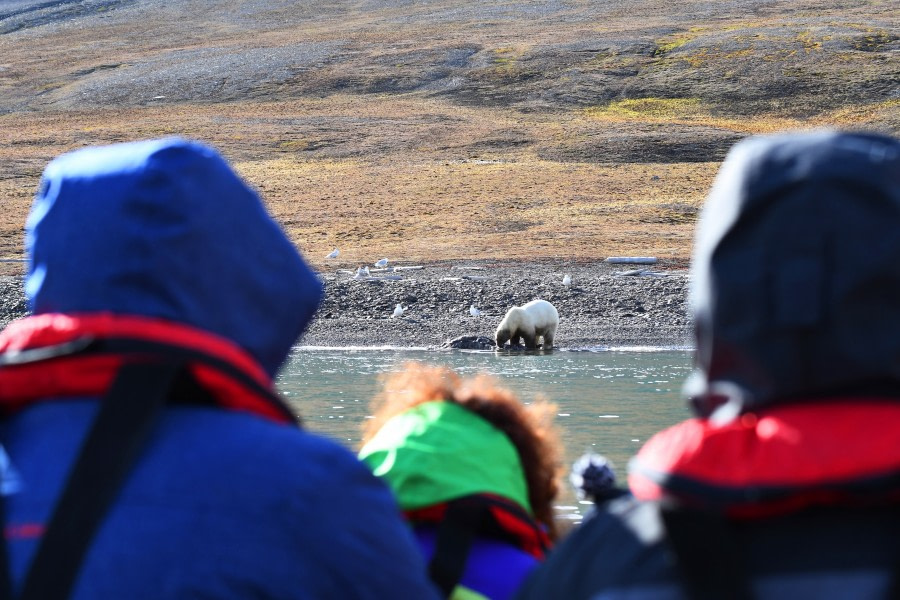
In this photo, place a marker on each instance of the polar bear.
(536, 319)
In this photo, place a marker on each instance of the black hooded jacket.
(787, 483)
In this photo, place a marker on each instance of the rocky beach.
(605, 305)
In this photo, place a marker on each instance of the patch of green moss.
(665, 45)
(809, 41)
(873, 41)
(504, 57)
(647, 108)
(293, 145)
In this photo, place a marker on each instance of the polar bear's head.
(502, 336)
(512, 326)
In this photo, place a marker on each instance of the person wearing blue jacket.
(145, 453)
(786, 483)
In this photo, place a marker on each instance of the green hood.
(439, 451)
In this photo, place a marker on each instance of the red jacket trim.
(785, 458)
(233, 379)
(509, 523)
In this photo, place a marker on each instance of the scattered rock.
(592, 315)
(469, 342)
(13, 303)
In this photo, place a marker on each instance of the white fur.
(536, 319)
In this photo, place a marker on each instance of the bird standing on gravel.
(361, 273)
(382, 263)
(333, 254)
(474, 311)
(398, 310)
(567, 281)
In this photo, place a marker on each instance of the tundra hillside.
(526, 132)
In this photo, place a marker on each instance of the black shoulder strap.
(5, 575)
(706, 553)
(893, 592)
(123, 425)
(455, 535)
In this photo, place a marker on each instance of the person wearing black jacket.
(786, 483)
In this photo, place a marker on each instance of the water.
(609, 402)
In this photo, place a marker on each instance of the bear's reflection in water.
(520, 349)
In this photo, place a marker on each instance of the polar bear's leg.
(530, 336)
(549, 334)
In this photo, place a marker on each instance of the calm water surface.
(609, 401)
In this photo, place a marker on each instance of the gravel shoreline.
(12, 299)
(604, 307)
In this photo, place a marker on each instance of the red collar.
(506, 521)
(783, 459)
(58, 356)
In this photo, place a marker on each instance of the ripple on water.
(608, 400)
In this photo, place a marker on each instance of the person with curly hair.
(475, 472)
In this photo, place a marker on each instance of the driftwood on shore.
(633, 260)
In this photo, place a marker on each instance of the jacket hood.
(439, 451)
(166, 229)
(795, 279)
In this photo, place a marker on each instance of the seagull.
(382, 263)
(361, 273)
(567, 281)
(398, 310)
(333, 254)
(474, 311)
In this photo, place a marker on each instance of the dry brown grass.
(409, 183)
(431, 199)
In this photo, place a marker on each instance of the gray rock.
(13, 303)
(469, 342)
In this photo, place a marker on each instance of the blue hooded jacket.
(166, 229)
(220, 503)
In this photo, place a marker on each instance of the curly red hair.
(529, 427)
